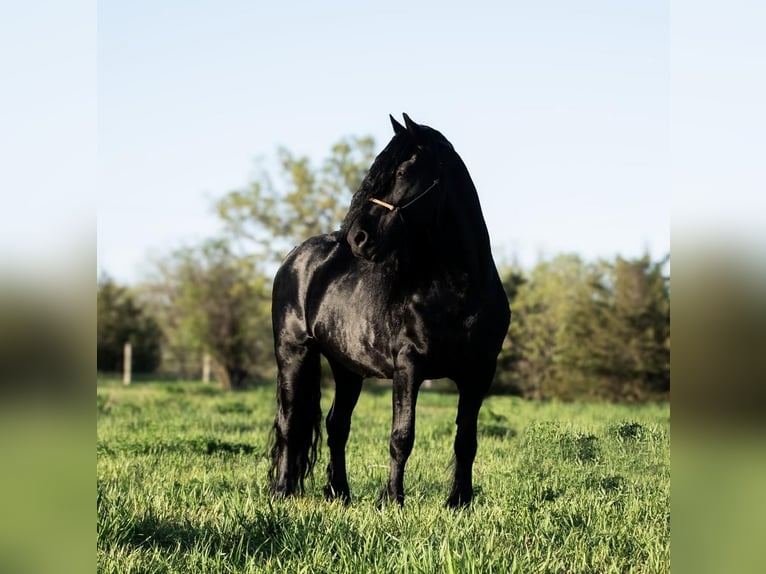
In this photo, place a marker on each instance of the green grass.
(559, 488)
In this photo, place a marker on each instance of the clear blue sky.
(559, 109)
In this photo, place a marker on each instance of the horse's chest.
(442, 321)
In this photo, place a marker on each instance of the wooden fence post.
(127, 364)
(206, 368)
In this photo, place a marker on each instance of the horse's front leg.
(405, 396)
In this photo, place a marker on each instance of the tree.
(543, 313)
(217, 301)
(626, 324)
(273, 214)
(589, 330)
(120, 320)
(161, 294)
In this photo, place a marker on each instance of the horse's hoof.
(385, 498)
(382, 499)
(457, 501)
(280, 493)
(332, 494)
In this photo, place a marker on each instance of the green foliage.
(209, 298)
(541, 312)
(276, 212)
(181, 487)
(588, 330)
(121, 319)
(626, 324)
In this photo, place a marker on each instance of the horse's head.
(399, 198)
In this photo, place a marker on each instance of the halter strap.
(392, 207)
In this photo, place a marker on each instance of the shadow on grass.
(242, 538)
(629, 431)
(259, 536)
(208, 446)
(580, 447)
(496, 431)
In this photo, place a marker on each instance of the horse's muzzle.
(361, 244)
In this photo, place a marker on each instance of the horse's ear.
(412, 127)
(416, 131)
(398, 128)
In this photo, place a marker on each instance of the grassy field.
(560, 488)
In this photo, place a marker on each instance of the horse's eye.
(400, 172)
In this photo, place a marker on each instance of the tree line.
(579, 329)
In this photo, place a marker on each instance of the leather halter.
(392, 207)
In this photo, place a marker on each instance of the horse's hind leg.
(298, 420)
(465, 450)
(347, 388)
(471, 396)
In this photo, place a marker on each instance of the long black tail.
(297, 429)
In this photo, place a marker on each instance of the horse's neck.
(455, 254)
(464, 235)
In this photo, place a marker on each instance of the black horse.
(406, 290)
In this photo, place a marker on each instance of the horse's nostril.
(360, 238)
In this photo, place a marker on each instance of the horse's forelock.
(383, 168)
(380, 174)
